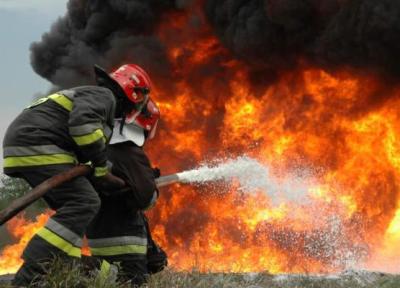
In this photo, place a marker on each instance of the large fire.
(322, 127)
(298, 125)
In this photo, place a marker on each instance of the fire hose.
(39, 191)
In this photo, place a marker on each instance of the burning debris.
(297, 85)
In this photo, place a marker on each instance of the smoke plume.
(104, 32)
(268, 35)
(277, 33)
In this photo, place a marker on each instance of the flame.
(328, 129)
(23, 230)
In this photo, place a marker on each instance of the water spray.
(248, 175)
(246, 170)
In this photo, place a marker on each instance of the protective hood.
(130, 132)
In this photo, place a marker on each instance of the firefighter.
(56, 133)
(120, 232)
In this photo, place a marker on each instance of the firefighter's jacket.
(130, 163)
(67, 127)
(119, 229)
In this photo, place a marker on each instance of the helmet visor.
(139, 108)
(140, 94)
(147, 118)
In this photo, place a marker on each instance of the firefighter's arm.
(131, 164)
(91, 110)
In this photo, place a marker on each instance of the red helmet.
(134, 81)
(136, 85)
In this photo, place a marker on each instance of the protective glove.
(108, 182)
(156, 172)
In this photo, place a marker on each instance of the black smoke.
(275, 34)
(267, 35)
(104, 32)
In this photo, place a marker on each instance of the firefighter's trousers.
(76, 203)
(119, 235)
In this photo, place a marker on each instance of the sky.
(21, 23)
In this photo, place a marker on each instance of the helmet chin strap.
(141, 105)
(124, 112)
(121, 126)
(139, 109)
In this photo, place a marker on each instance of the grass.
(173, 279)
(62, 275)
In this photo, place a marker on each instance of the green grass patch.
(64, 275)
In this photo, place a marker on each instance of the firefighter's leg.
(157, 259)
(132, 268)
(118, 236)
(76, 203)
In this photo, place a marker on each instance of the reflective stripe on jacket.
(70, 126)
(61, 237)
(118, 246)
(36, 156)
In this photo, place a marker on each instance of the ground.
(172, 279)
